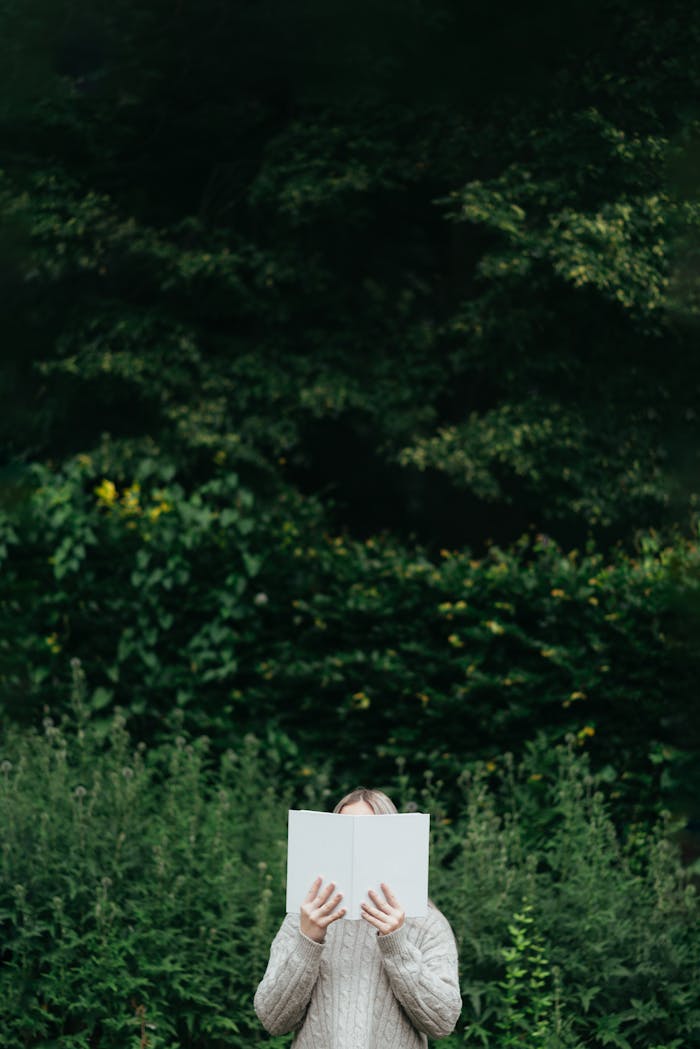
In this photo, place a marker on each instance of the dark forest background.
(349, 379)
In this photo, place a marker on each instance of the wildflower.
(127, 773)
(220, 457)
(587, 730)
(577, 695)
(106, 493)
(557, 592)
(6, 767)
(425, 699)
(80, 791)
(410, 806)
(494, 627)
(490, 766)
(536, 776)
(163, 507)
(130, 499)
(360, 700)
(459, 605)
(260, 599)
(455, 641)
(52, 642)
(548, 652)
(592, 600)
(306, 771)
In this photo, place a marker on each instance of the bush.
(249, 616)
(141, 887)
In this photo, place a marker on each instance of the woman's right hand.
(318, 910)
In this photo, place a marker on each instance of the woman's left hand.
(386, 915)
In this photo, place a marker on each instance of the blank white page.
(357, 853)
(395, 850)
(317, 843)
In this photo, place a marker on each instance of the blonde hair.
(379, 802)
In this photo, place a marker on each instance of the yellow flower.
(494, 627)
(423, 698)
(490, 766)
(460, 605)
(163, 507)
(130, 499)
(592, 600)
(455, 641)
(106, 492)
(52, 642)
(360, 700)
(220, 457)
(536, 775)
(587, 730)
(556, 592)
(444, 553)
(577, 695)
(548, 652)
(306, 771)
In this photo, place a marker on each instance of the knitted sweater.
(360, 990)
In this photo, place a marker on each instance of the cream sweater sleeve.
(284, 992)
(424, 978)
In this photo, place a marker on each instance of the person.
(383, 982)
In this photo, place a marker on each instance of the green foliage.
(252, 616)
(527, 1001)
(140, 887)
(481, 286)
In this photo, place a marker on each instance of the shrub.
(141, 887)
(252, 617)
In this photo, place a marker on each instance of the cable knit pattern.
(359, 990)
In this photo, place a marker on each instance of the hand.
(317, 910)
(386, 916)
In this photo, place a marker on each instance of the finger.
(329, 905)
(378, 901)
(311, 894)
(333, 917)
(324, 894)
(374, 912)
(371, 920)
(390, 896)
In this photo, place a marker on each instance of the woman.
(385, 982)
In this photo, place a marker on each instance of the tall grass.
(141, 886)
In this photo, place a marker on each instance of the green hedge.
(141, 887)
(251, 616)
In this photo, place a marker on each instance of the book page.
(318, 843)
(359, 852)
(394, 850)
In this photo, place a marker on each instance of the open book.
(358, 853)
